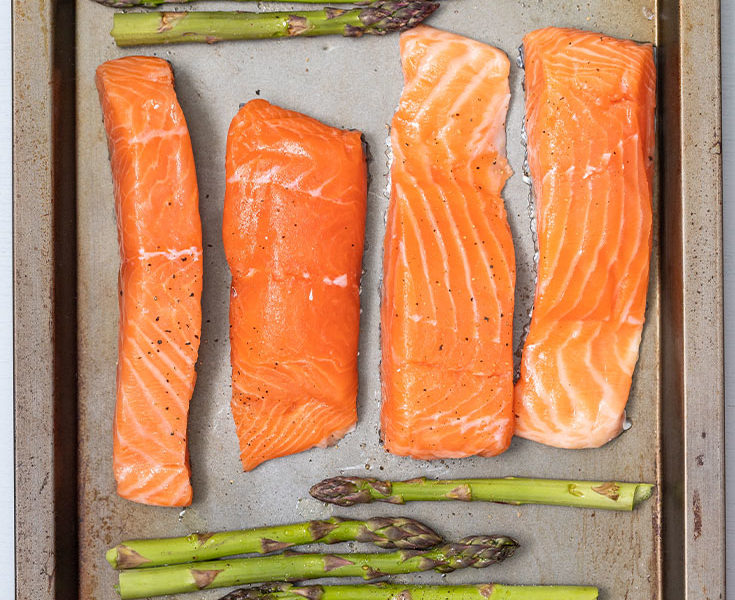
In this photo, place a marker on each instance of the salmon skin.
(157, 205)
(293, 229)
(590, 103)
(449, 266)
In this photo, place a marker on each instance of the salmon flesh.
(449, 265)
(160, 282)
(590, 103)
(293, 229)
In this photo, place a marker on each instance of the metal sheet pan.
(65, 346)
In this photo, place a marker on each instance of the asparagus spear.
(154, 3)
(473, 551)
(376, 18)
(608, 495)
(385, 532)
(381, 591)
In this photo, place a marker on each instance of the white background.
(6, 414)
(7, 575)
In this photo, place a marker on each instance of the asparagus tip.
(343, 491)
(478, 551)
(384, 16)
(398, 532)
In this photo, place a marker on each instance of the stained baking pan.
(66, 262)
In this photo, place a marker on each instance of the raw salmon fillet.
(293, 229)
(157, 204)
(449, 266)
(590, 121)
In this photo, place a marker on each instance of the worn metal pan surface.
(66, 309)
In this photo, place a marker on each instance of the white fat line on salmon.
(264, 177)
(193, 252)
(416, 318)
(603, 166)
(273, 177)
(151, 134)
(339, 281)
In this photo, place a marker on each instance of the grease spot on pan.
(697, 509)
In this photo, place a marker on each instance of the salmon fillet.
(293, 228)
(590, 103)
(157, 204)
(449, 266)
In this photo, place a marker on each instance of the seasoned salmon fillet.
(449, 266)
(157, 204)
(294, 227)
(590, 103)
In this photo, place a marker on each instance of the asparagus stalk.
(381, 591)
(154, 3)
(376, 18)
(385, 532)
(607, 495)
(473, 551)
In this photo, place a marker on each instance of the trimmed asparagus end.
(642, 493)
(111, 557)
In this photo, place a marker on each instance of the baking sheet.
(683, 346)
(352, 84)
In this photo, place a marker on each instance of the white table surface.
(6, 364)
(7, 534)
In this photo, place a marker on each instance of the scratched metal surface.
(354, 84)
